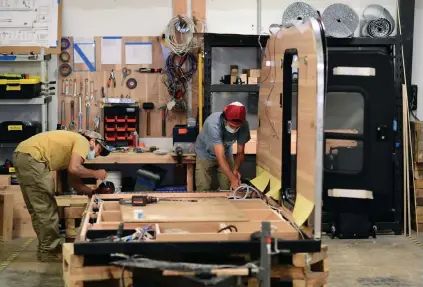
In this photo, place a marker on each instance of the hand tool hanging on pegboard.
(80, 107)
(97, 123)
(111, 78)
(87, 91)
(75, 86)
(67, 85)
(163, 110)
(63, 116)
(149, 70)
(92, 91)
(87, 116)
(64, 84)
(72, 123)
(70, 87)
(125, 73)
(148, 107)
(340, 20)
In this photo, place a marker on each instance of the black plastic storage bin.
(17, 131)
(20, 88)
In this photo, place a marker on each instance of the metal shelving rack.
(227, 40)
(45, 98)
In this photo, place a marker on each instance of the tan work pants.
(203, 174)
(38, 192)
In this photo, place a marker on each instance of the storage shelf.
(234, 88)
(24, 58)
(33, 101)
(360, 41)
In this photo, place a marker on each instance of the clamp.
(111, 78)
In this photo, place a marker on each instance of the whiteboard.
(29, 23)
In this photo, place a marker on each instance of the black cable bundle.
(179, 70)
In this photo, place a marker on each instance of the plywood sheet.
(204, 210)
(269, 134)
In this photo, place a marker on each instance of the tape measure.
(64, 56)
(65, 70)
(65, 43)
(131, 83)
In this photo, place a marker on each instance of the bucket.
(116, 178)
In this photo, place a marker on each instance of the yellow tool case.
(14, 88)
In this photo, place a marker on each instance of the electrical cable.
(178, 71)
(179, 34)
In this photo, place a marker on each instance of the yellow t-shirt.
(55, 148)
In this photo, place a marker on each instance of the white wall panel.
(87, 18)
(231, 16)
(417, 78)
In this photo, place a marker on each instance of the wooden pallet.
(72, 215)
(75, 274)
(308, 270)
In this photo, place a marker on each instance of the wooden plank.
(74, 212)
(306, 259)
(419, 214)
(205, 209)
(131, 158)
(22, 223)
(5, 179)
(418, 141)
(269, 134)
(180, 7)
(6, 219)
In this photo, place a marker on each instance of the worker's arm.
(78, 185)
(239, 159)
(77, 169)
(219, 149)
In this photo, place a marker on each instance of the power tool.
(143, 200)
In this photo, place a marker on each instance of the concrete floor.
(385, 261)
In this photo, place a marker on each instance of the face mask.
(230, 130)
(91, 154)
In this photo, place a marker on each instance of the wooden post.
(6, 219)
(190, 177)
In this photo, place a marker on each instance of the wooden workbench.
(148, 158)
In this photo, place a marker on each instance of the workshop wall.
(417, 78)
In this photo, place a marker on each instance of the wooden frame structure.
(217, 224)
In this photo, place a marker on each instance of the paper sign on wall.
(111, 50)
(84, 53)
(137, 53)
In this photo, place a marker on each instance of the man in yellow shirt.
(34, 159)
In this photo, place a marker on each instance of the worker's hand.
(100, 174)
(235, 183)
(237, 174)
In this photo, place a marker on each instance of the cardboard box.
(244, 78)
(253, 81)
(234, 70)
(233, 80)
(254, 73)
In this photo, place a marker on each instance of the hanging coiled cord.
(179, 34)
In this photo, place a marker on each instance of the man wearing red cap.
(214, 148)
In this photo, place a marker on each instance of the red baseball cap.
(235, 113)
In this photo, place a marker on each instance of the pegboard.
(149, 89)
